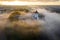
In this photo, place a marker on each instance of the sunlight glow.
(27, 3)
(19, 3)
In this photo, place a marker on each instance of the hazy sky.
(30, 2)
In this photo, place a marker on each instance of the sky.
(29, 2)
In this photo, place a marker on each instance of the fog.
(49, 24)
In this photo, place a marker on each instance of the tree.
(14, 16)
